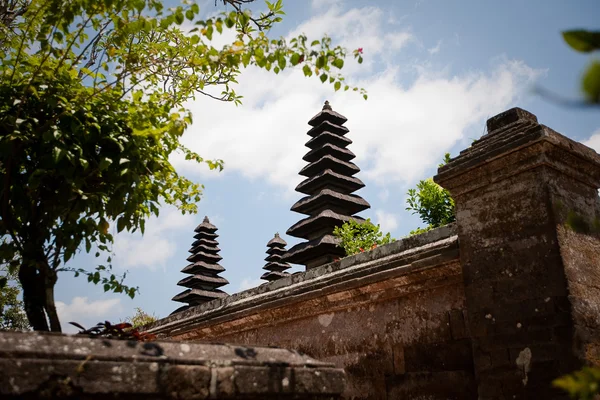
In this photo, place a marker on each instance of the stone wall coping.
(521, 131)
(324, 278)
(37, 364)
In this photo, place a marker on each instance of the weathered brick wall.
(393, 319)
(53, 366)
(531, 292)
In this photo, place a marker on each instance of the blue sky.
(435, 70)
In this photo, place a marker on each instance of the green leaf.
(320, 62)
(337, 86)
(121, 223)
(105, 163)
(307, 71)
(338, 63)
(295, 59)
(323, 77)
(315, 42)
(179, 17)
(583, 41)
(57, 154)
(591, 82)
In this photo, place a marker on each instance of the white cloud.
(594, 141)
(435, 49)
(384, 195)
(87, 313)
(398, 133)
(356, 28)
(249, 283)
(387, 221)
(401, 130)
(154, 248)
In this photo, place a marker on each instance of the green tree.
(91, 109)
(12, 313)
(587, 42)
(357, 237)
(432, 202)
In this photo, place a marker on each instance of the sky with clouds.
(435, 70)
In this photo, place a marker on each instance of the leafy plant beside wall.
(432, 202)
(359, 237)
(582, 385)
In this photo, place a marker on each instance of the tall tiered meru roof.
(203, 281)
(328, 185)
(275, 268)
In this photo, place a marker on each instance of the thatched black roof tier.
(206, 235)
(331, 149)
(276, 251)
(328, 137)
(326, 220)
(277, 242)
(324, 248)
(202, 267)
(206, 226)
(206, 257)
(203, 282)
(205, 248)
(273, 275)
(332, 163)
(276, 266)
(328, 199)
(327, 114)
(327, 126)
(198, 296)
(332, 180)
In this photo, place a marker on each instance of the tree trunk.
(33, 295)
(50, 281)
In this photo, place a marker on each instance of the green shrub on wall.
(432, 202)
(359, 237)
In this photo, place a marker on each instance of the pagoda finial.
(205, 219)
(327, 106)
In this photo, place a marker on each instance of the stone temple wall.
(393, 318)
(493, 307)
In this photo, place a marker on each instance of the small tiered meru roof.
(275, 268)
(328, 185)
(203, 281)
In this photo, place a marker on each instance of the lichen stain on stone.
(325, 319)
(523, 361)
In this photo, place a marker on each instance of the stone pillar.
(528, 216)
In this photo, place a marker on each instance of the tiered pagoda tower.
(328, 185)
(203, 282)
(275, 268)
